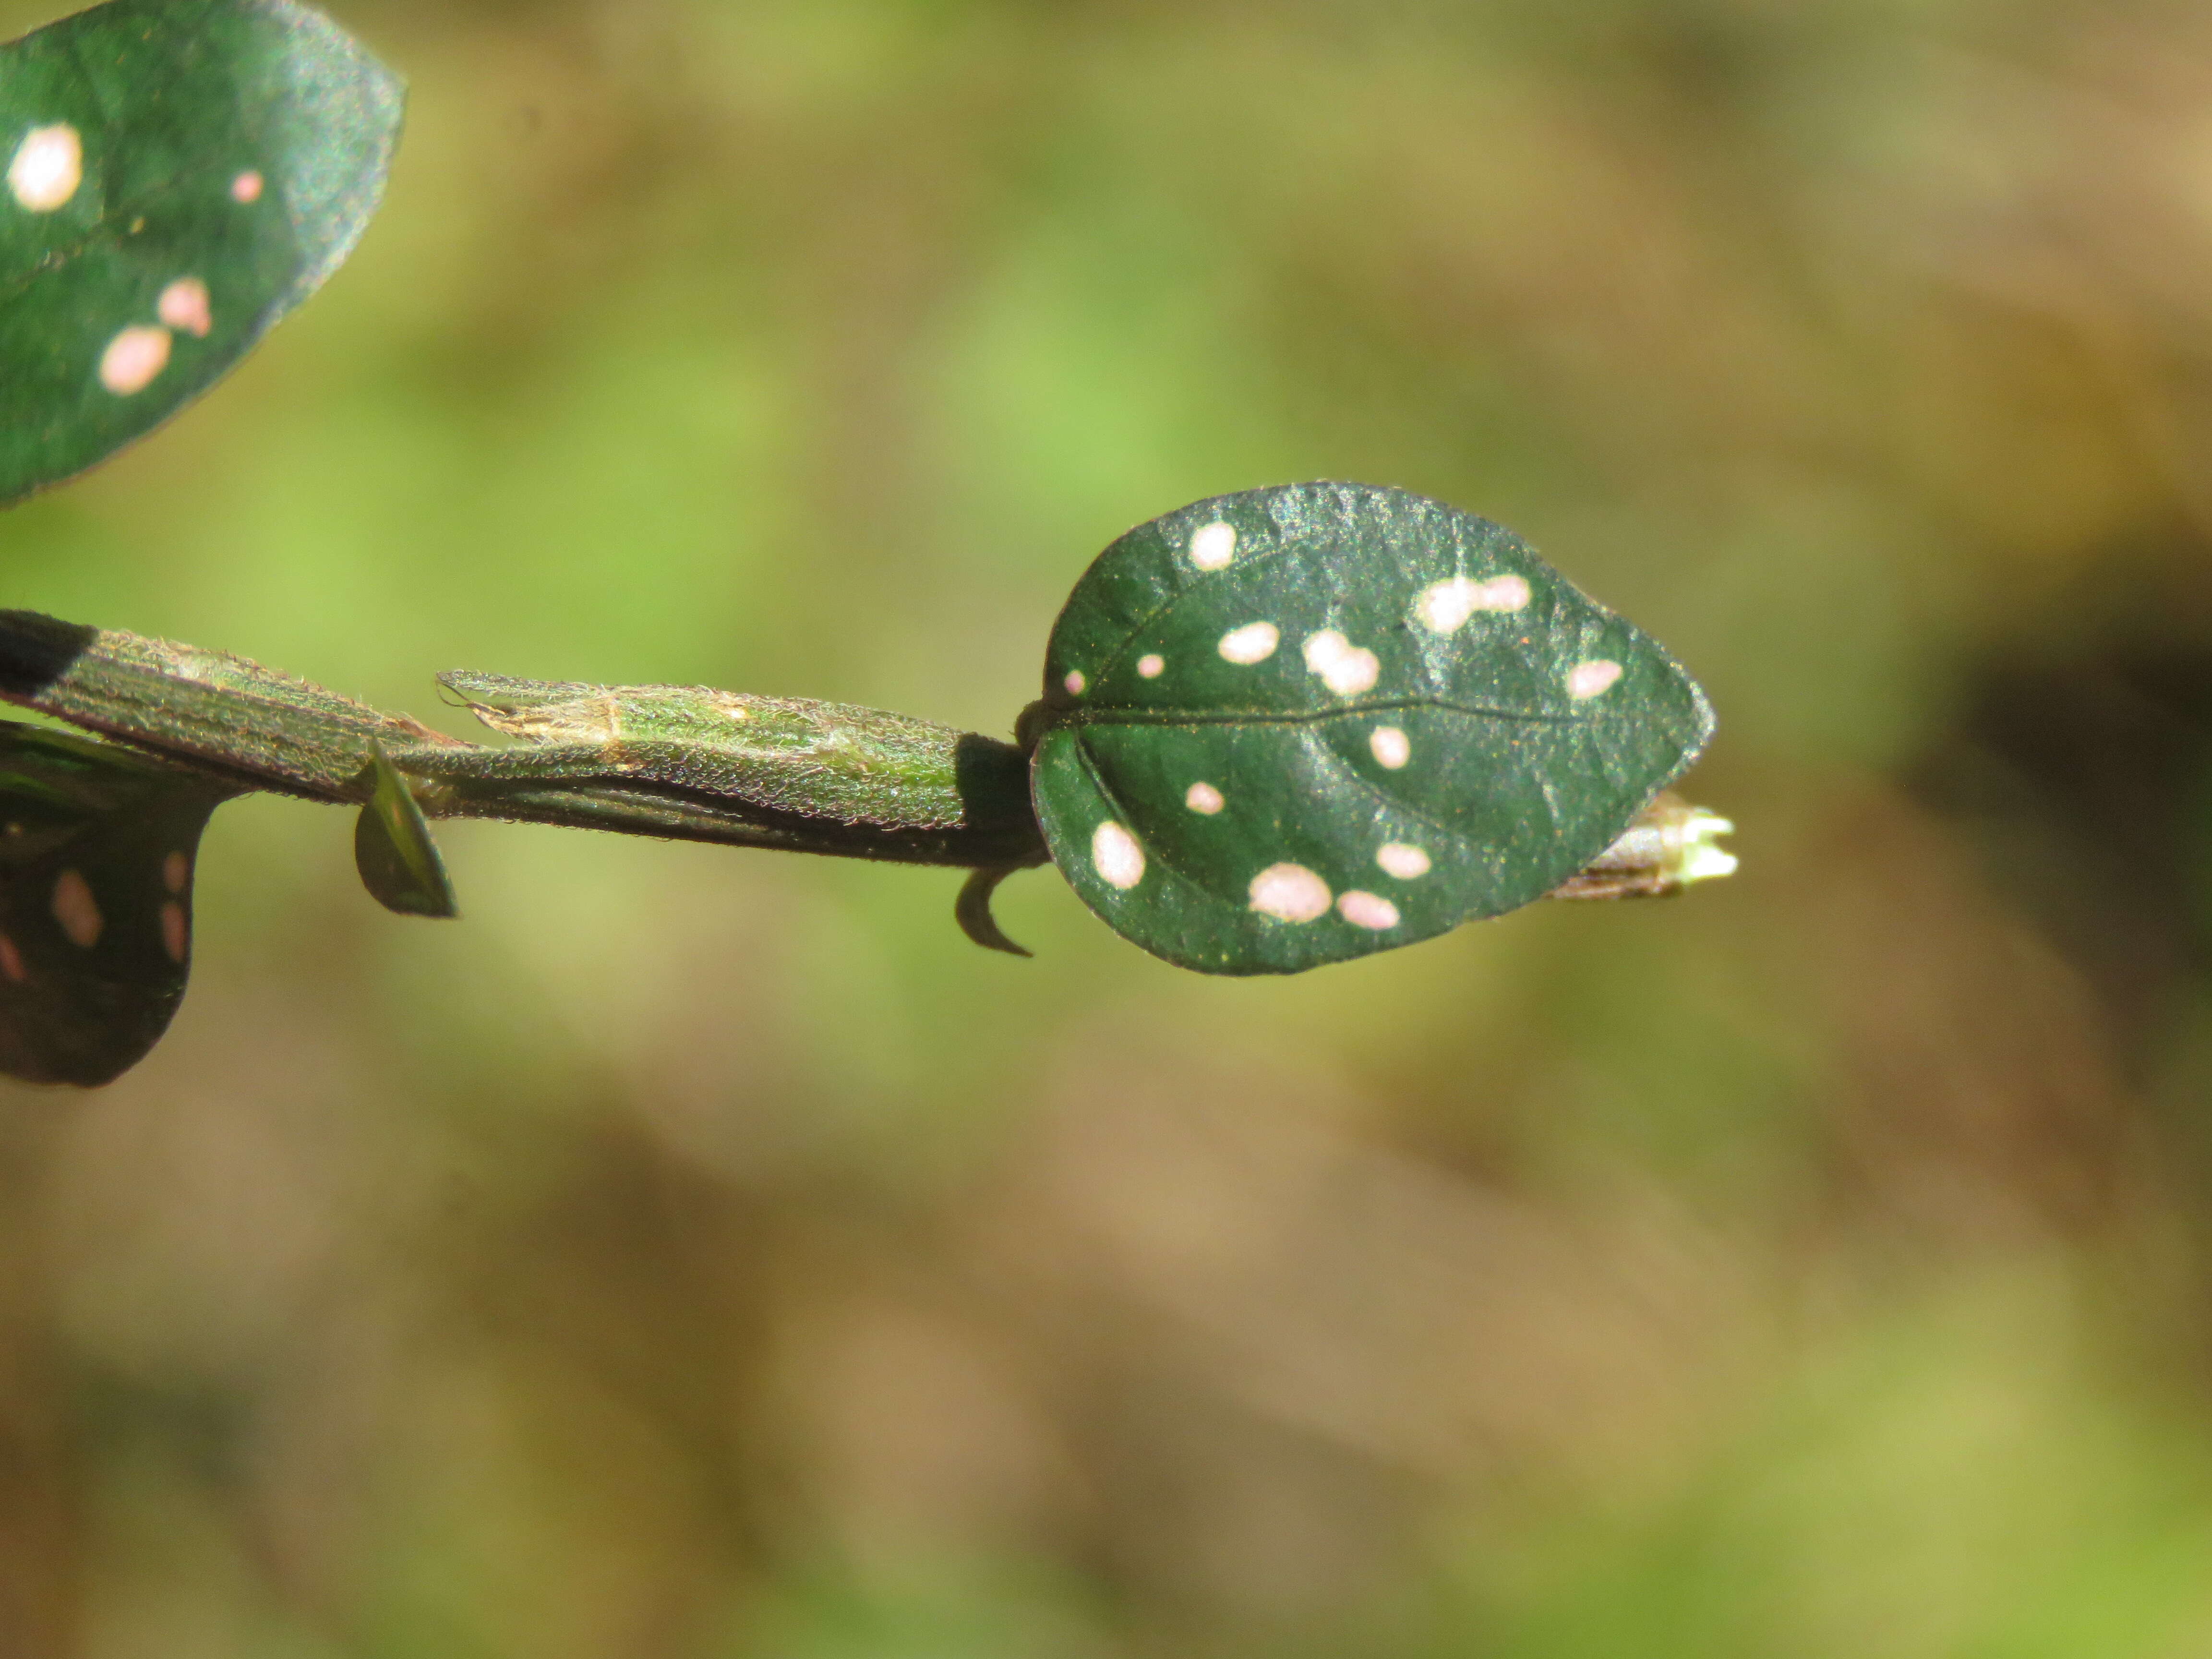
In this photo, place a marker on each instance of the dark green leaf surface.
(97, 850)
(1294, 725)
(180, 174)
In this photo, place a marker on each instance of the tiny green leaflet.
(393, 851)
(180, 174)
(1294, 725)
(97, 848)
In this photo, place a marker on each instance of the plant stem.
(823, 778)
(210, 711)
(678, 762)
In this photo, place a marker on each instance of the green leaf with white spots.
(97, 849)
(179, 174)
(1295, 726)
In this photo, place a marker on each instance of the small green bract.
(1294, 725)
(180, 174)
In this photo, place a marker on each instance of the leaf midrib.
(1130, 715)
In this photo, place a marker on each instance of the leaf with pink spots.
(1294, 725)
(178, 175)
(97, 848)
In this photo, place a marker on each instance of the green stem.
(784, 773)
(210, 711)
(677, 762)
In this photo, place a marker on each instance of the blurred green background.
(697, 1252)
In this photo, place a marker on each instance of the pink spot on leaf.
(77, 911)
(176, 937)
(1344, 667)
(1403, 861)
(184, 306)
(1289, 892)
(1586, 680)
(1444, 607)
(1115, 855)
(133, 358)
(1368, 911)
(1212, 547)
(1254, 642)
(47, 167)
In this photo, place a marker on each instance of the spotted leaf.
(180, 174)
(97, 847)
(1294, 725)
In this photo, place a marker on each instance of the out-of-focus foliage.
(697, 1253)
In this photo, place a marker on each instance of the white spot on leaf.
(1203, 798)
(1074, 682)
(1153, 666)
(176, 870)
(1402, 859)
(77, 911)
(1444, 607)
(176, 937)
(1254, 642)
(184, 306)
(1368, 911)
(133, 358)
(47, 167)
(1586, 680)
(1117, 857)
(1289, 892)
(1391, 746)
(247, 187)
(1344, 667)
(1213, 547)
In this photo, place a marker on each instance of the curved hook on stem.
(972, 909)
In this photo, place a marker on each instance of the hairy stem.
(678, 762)
(822, 778)
(209, 710)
